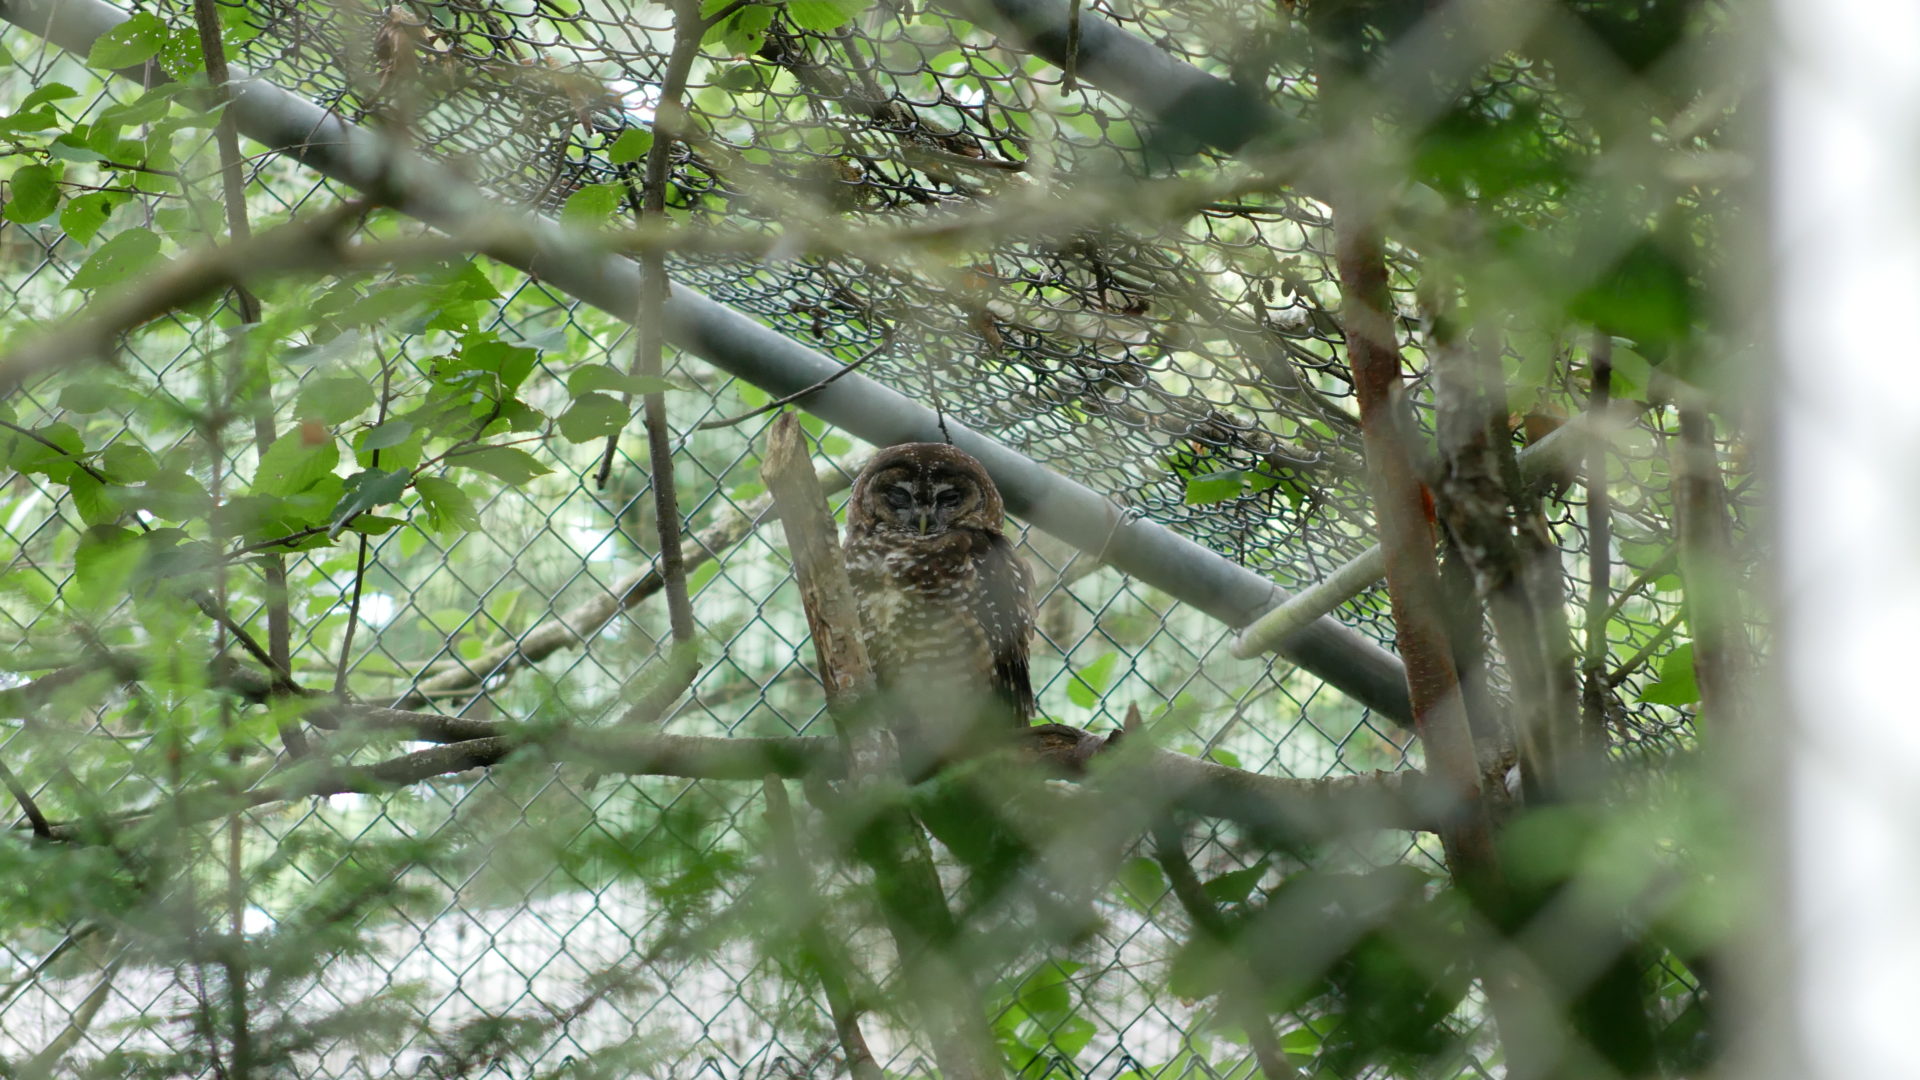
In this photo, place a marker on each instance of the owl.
(947, 605)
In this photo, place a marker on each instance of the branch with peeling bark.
(1413, 581)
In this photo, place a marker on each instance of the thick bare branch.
(1413, 578)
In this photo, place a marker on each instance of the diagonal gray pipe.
(1186, 103)
(742, 347)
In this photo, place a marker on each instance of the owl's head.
(924, 489)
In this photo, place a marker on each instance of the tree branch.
(35, 819)
(879, 829)
(1242, 998)
(828, 959)
(1720, 650)
(649, 321)
(454, 678)
(308, 244)
(1413, 582)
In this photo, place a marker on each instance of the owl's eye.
(898, 497)
(949, 497)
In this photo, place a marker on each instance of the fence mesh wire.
(1194, 373)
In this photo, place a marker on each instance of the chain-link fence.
(1193, 372)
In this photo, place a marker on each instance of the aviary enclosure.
(1354, 374)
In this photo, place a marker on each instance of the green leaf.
(632, 145)
(466, 281)
(126, 254)
(103, 564)
(293, 464)
(1677, 684)
(1300, 1042)
(740, 79)
(381, 304)
(1071, 1035)
(237, 25)
(1216, 487)
(593, 205)
(24, 120)
(182, 58)
(746, 31)
(1646, 296)
(1091, 681)
(31, 194)
(446, 504)
(334, 399)
(366, 490)
(47, 93)
(824, 14)
(1142, 883)
(144, 109)
(374, 524)
(593, 416)
(513, 466)
(27, 454)
(92, 499)
(390, 434)
(511, 364)
(132, 42)
(1237, 885)
(1045, 993)
(72, 147)
(87, 396)
(83, 215)
(128, 464)
(606, 377)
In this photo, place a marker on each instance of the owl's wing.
(1004, 607)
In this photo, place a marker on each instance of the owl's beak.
(923, 521)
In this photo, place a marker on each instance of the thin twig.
(31, 809)
(360, 561)
(650, 335)
(213, 609)
(1645, 652)
(578, 625)
(1242, 999)
(206, 17)
(778, 403)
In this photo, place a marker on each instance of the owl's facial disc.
(925, 505)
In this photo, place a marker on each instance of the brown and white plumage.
(947, 604)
